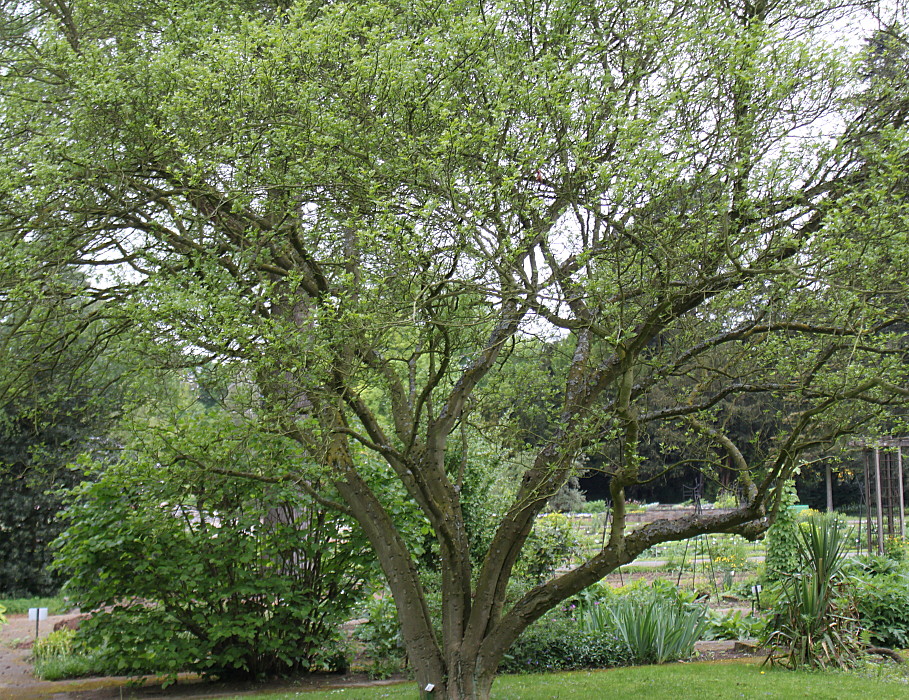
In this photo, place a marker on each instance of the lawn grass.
(20, 606)
(714, 681)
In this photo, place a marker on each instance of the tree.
(61, 386)
(371, 210)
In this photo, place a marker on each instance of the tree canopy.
(373, 212)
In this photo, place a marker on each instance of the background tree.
(61, 389)
(373, 209)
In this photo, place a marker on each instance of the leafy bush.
(381, 636)
(594, 597)
(29, 504)
(875, 565)
(726, 499)
(551, 544)
(193, 570)
(2, 616)
(882, 602)
(659, 588)
(559, 642)
(896, 548)
(733, 624)
(595, 507)
(486, 487)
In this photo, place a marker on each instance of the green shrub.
(875, 565)
(56, 644)
(781, 560)
(193, 570)
(726, 499)
(551, 544)
(2, 616)
(733, 624)
(659, 588)
(595, 507)
(381, 636)
(486, 486)
(896, 548)
(882, 602)
(592, 597)
(560, 642)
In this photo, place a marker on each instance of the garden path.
(16, 678)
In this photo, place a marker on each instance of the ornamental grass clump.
(658, 631)
(654, 625)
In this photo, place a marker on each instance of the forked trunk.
(469, 689)
(466, 681)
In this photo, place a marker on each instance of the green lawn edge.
(681, 681)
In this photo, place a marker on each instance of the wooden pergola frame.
(881, 457)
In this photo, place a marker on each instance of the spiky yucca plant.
(815, 622)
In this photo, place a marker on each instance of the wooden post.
(880, 506)
(829, 479)
(899, 476)
(889, 495)
(866, 458)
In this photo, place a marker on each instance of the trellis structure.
(884, 493)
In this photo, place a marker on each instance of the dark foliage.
(560, 643)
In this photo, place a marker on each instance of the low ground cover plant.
(58, 656)
(562, 641)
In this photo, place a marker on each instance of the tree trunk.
(470, 675)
